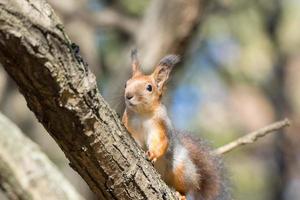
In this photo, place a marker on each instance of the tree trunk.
(62, 93)
(26, 172)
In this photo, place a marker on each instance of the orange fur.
(178, 179)
(125, 119)
(146, 120)
(209, 185)
(159, 143)
(139, 90)
(135, 134)
(159, 139)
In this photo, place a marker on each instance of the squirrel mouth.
(130, 104)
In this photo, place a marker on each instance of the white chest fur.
(145, 129)
(141, 128)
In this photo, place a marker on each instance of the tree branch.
(62, 92)
(110, 18)
(107, 18)
(25, 171)
(167, 28)
(252, 137)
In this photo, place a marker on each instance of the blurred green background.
(240, 71)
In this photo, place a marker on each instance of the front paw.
(181, 197)
(151, 156)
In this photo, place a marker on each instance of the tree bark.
(26, 172)
(62, 93)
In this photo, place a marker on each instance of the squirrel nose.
(129, 96)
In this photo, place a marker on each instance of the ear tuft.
(135, 64)
(134, 54)
(163, 69)
(169, 60)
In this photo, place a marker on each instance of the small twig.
(252, 137)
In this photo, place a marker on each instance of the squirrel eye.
(149, 88)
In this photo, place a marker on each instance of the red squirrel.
(184, 164)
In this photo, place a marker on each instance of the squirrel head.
(143, 92)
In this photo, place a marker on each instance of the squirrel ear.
(135, 64)
(163, 69)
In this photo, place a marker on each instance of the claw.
(151, 156)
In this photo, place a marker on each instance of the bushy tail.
(212, 183)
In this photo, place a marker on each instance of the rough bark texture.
(62, 93)
(26, 172)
